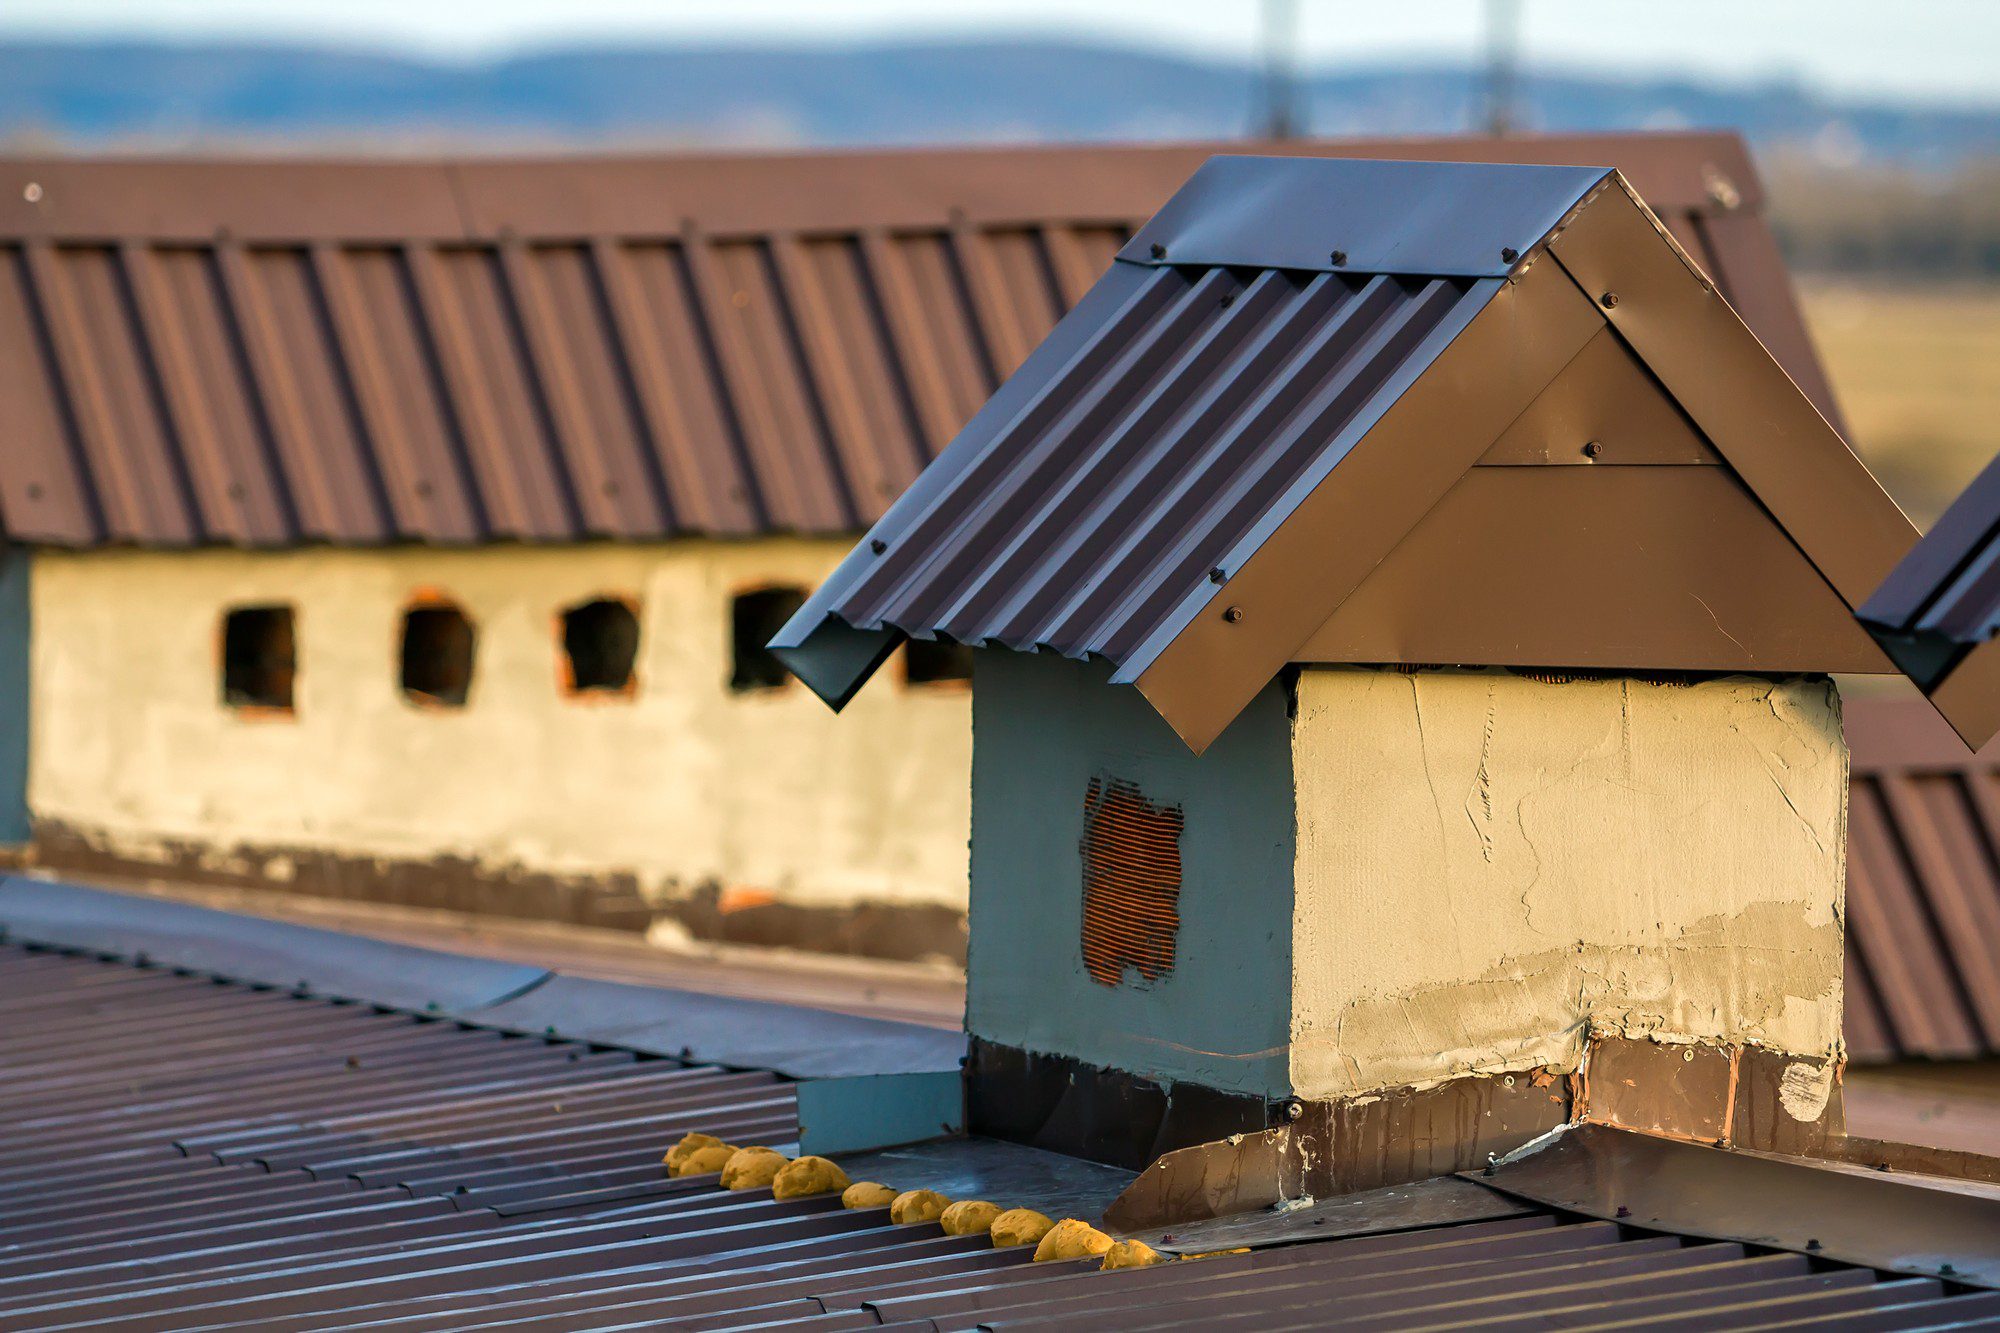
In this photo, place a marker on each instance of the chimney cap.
(1386, 456)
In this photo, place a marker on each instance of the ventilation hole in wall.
(754, 617)
(438, 642)
(1131, 882)
(259, 657)
(600, 640)
(936, 662)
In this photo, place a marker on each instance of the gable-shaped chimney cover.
(1106, 500)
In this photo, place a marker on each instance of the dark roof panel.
(1937, 613)
(1080, 508)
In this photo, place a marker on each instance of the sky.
(1933, 50)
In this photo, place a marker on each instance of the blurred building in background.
(413, 530)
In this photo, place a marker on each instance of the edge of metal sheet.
(1325, 215)
(253, 949)
(1891, 1222)
(1439, 1201)
(791, 1040)
(1966, 528)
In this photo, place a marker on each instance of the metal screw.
(1216, 575)
(1294, 1108)
(1233, 614)
(32, 192)
(1592, 449)
(1159, 251)
(1623, 1211)
(1608, 300)
(1812, 1242)
(1339, 258)
(1508, 254)
(877, 545)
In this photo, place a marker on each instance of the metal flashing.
(1440, 219)
(1826, 1210)
(254, 950)
(791, 1040)
(743, 1034)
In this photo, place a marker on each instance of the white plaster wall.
(683, 783)
(1490, 865)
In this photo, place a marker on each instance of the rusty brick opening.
(600, 641)
(259, 657)
(1131, 882)
(438, 643)
(753, 618)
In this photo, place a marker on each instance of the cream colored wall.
(683, 783)
(1489, 866)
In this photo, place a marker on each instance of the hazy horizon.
(1941, 52)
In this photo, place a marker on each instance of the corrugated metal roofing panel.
(188, 1153)
(552, 350)
(193, 1154)
(1129, 460)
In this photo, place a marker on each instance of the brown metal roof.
(1923, 887)
(270, 352)
(1285, 380)
(187, 1153)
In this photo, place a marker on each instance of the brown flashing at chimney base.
(1742, 1096)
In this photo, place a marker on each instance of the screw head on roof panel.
(877, 545)
(1216, 575)
(1592, 449)
(1294, 1108)
(1608, 300)
(1508, 254)
(1159, 251)
(32, 192)
(1339, 258)
(1233, 614)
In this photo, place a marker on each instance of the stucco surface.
(684, 782)
(1490, 865)
(1043, 728)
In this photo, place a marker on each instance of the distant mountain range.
(136, 95)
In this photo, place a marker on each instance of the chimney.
(1406, 597)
